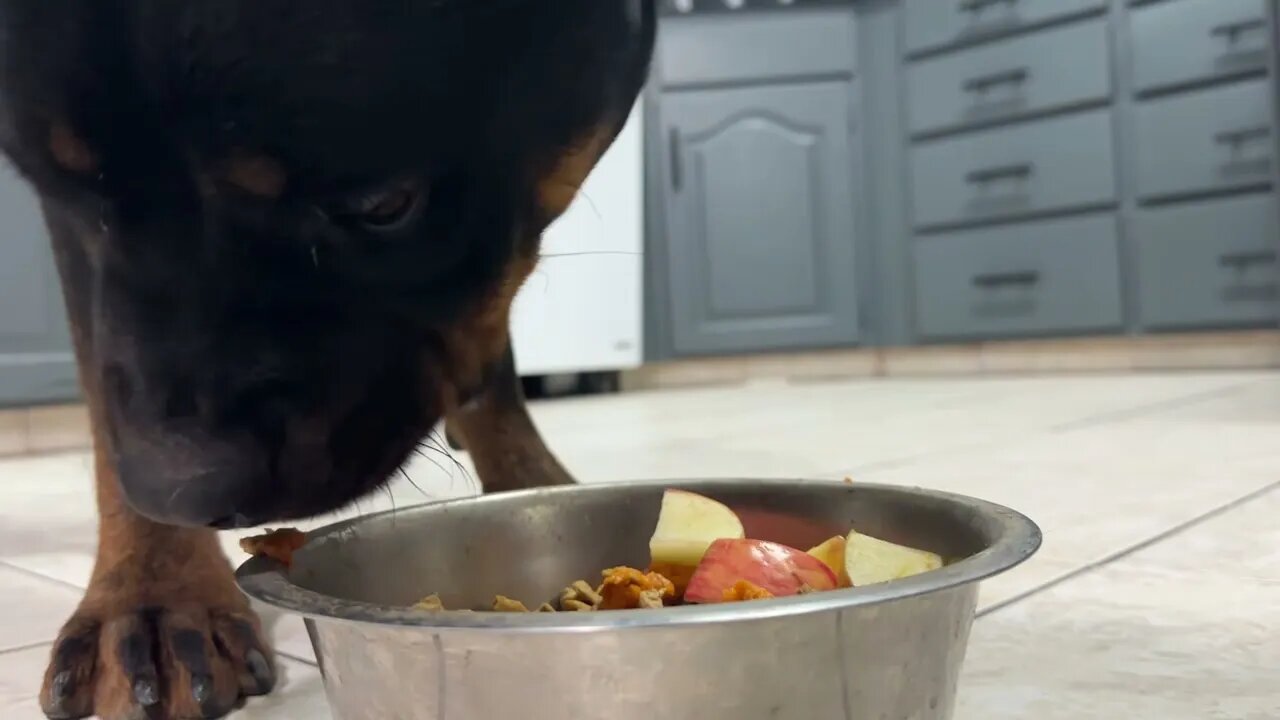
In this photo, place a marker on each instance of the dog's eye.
(389, 209)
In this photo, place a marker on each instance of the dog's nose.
(190, 484)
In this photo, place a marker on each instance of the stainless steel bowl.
(883, 652)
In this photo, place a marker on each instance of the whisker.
(590, 252)
(404, 474)
(438, 444)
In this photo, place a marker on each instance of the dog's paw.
(178, 662)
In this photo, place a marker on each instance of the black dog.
(289, 233)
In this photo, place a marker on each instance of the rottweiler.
(289, 233)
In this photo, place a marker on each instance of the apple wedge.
(831, 553)
(687, 525)
(777, 569)
(869, 560)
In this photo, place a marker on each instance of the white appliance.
(581, 310)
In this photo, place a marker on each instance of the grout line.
(1154, 408)
(1123, 553)
(28, 646)
(310, 663)
(41, 576)
(1108, 418)
(70, 586)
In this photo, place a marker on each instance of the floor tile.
(1184, 630)
(58, 428)
(32, 609)
(48, 518)
(13, 432)
(21, 673)
(300, 695)
(1103, 462)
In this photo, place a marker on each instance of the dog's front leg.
(506, 447)
(162, 631)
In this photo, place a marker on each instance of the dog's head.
(290, 232)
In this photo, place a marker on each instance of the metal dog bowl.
(883, 652)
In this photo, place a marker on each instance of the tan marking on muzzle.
(70, 150)
(257, 175)
(557, 190)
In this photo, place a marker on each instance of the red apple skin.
(792, 530)
(777, 568)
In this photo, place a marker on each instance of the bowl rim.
(266, 580)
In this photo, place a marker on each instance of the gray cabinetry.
(943, 170)
(937, 23)
(35, 350)
(760, 217)
(1011, 172)
(1212, 140)
(1208, 264)
(753, 148)
(1064, 67)
(1186, 41)
(1060, 276)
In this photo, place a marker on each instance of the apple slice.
(831, 553)
(869, 560)
(687, 525)
(778, 569)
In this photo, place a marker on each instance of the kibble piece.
(430, 603)
(744, 590)
(279, 545)
(546, 607)
(579, 594)
(651, 600)
(502, 603)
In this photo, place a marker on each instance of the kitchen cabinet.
(902, 171)
(759, 218)
(752, 188)
(36, 363)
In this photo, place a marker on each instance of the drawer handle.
(1239, 137)
(1020, 171)
(1243, 260)
(977, 6)
(1026, 278)
(1233, 30)
(677, 166)
(984, 83)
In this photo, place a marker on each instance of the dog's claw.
(201, 688)
(263, 674)
(62, 686)
(146, 693)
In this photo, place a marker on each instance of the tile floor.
(1157, 593)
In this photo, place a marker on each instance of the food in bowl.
(279, 545)
(699, 554)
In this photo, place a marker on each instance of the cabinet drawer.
(935, 23)
(753, 47)
(1217, 139)
(1015, 171)
(1188, 40)
(1054, 276)
(1208, 263)
(1024, 75)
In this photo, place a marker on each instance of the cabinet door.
(760, 218)
(36, 362)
